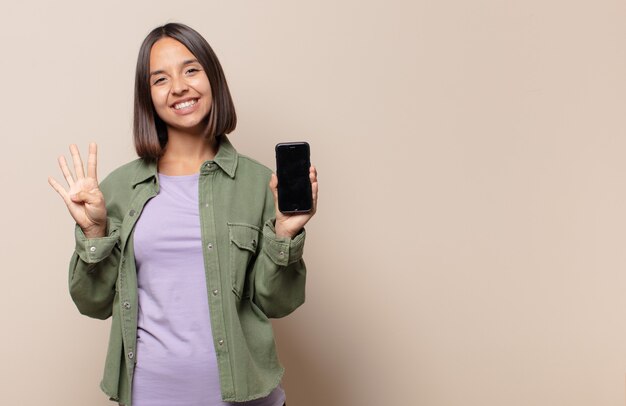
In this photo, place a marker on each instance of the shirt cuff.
(93, 250)
(282, 251)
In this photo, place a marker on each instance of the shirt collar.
(226, 158)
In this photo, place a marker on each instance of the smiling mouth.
(185, 104)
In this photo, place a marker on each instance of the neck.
(185, 152)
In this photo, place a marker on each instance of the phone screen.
(292, 170)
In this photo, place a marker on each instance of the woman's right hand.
(84, 199)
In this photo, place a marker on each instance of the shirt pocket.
(244, 240)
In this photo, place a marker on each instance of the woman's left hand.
(288, 225)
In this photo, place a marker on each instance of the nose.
(179, 86)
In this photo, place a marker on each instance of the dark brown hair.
(149, 131)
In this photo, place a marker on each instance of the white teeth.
(185, 104)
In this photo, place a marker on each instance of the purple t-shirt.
(176, 361)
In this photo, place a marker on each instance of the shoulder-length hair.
(149, 131)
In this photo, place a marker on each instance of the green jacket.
(251, 275)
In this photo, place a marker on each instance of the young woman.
(184, 247)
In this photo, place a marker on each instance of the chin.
(189, 127)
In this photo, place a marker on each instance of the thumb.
(83, 197)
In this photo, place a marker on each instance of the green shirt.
(251, 275)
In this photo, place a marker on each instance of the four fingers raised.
(71, 179)
(92, 164)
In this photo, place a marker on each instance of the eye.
(192, 70)
(156, 82)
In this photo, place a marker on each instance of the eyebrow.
(187, 62)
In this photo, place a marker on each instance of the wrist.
(283, 232)
(95, 231)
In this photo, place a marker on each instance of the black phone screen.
(292, 170)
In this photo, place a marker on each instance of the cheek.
(208, 97)
(159, 98)
(202, 84)
(207, 88)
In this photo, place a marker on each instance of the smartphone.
(292, 169)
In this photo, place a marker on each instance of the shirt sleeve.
(93, 272)
(94, 250)
(282, 251)
(279, 271)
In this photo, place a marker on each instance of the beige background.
(469, 245)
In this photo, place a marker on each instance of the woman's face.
(180, 88)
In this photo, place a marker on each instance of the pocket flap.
(245, 236)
